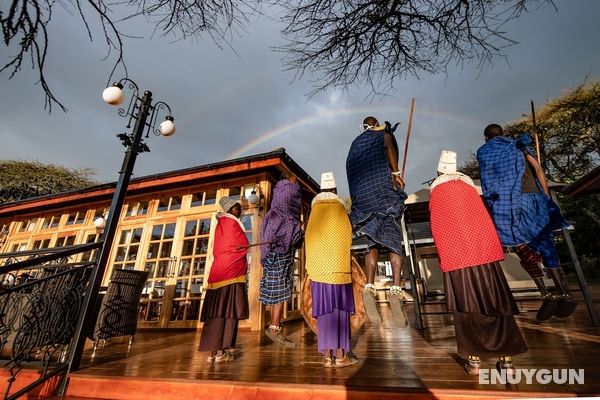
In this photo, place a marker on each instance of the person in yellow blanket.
(328, 238)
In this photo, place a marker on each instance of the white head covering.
(447, 164)
(327, 181)
(227, 202)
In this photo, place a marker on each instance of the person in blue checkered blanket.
(377, 193)
(516, 190)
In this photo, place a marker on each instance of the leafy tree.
(21, 180)
(347, 41)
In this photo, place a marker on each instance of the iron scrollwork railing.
(40, 300)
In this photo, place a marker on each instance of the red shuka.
(462, 228)
(229, 261)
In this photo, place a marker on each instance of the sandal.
(566, 307)
(548, 308)
(507, 366)
(225, 357)
(346, 361)
(328, 362)
(278, 337)
(396, 297)
(472, 367)
(370, 303)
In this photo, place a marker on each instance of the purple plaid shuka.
(281, 224)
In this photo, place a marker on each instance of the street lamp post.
(144, 113)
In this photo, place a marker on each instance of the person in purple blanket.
(281, 234)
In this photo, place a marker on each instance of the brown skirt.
(221, 311)
(483, 309)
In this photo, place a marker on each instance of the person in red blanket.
(226, 300)
(476, 289)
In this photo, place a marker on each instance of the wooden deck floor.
(393, 362)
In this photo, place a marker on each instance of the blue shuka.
(520, 218)
(376, 206)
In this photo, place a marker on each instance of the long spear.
(535, 134)
(408, 129)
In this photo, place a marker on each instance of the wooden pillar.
(257, 310)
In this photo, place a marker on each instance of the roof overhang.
(584, 186)
(277, 160)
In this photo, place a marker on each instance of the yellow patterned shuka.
(328, 238)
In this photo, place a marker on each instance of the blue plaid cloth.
(520, 218)
(277, 279)
(376, 206)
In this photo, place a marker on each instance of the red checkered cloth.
(230, 261)
(462, 228)
(530, 260)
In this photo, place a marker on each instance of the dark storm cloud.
(223, 101)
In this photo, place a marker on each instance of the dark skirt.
(483, 309)
(221, 311)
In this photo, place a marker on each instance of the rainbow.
(337, 112)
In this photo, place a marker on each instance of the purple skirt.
(332, 306)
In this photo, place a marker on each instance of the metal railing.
(41, 299)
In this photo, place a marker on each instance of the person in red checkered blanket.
(475, 287)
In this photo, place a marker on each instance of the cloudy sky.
(228, 105)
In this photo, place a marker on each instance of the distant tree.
(347, 42)
(470, 167)
(21, 180)
(569, 132)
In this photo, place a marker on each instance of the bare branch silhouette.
(373, 42)
(24, 27)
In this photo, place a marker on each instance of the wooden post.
(408, 129)
(535, 134)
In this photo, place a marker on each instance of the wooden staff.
(410, 115)
(535, 134)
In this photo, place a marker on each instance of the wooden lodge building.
(165, 227)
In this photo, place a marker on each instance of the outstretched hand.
(389, 128)
(398, 182)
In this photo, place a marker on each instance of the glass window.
(175, 203)
(169, 204)
(139, 208)
(90, 255)
(191, 268)
(197, 199)
(18, 247)
(76, 218)
(204, 198)
(235, 192)
(65, 241)
(210, 197)
(41, 244)
(163, 204)
(51, 221)
(27, 225)
(127, 249)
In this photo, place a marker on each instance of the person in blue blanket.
(516, 190)
(377, 193)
